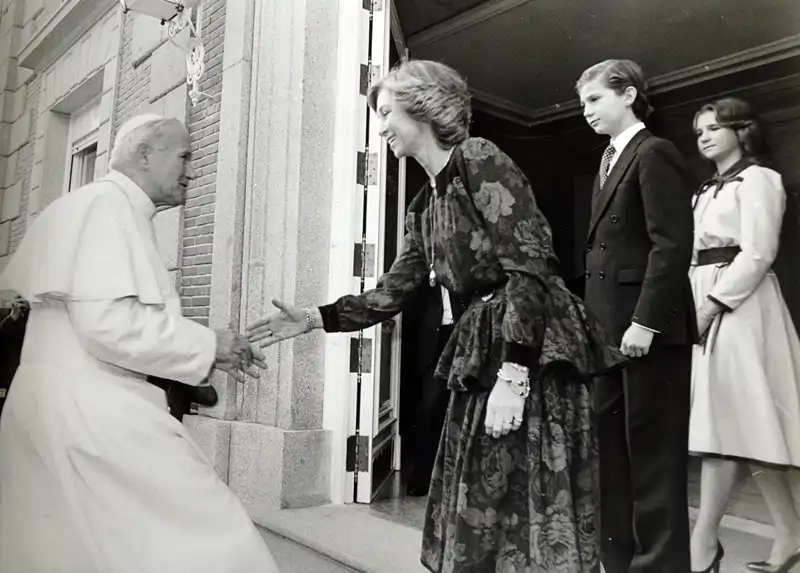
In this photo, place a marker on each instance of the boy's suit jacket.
(639, 245)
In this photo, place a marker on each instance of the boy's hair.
(619, 75)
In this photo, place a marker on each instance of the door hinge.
(368, 76)
(369, 262)
(366, 168)
(357, 460)
(365, 355)
(375, 5)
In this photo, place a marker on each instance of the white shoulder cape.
(84, 246)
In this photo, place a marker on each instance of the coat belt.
(717, 255)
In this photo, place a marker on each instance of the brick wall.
(198, 221)
(137, 89)
(133, 82)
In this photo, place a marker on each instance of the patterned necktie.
(605, 163)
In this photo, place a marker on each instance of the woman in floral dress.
(515, 482)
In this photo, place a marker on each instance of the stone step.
(385, 537)
(294, 557)
(337, 539)
(347, 539)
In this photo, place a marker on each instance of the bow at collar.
(719, 180)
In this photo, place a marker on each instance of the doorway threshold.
(354, 537)
(408, 511)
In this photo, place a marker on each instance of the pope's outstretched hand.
(236, 357)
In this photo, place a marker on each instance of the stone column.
(212, 428)
(278, 154)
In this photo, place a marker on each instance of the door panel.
(382, 207)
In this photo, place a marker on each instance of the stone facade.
(51, 71)
(271, 238)
(257, 223)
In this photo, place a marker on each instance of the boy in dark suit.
(638, 253)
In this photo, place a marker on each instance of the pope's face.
(169, 165)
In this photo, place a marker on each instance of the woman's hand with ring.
(504, 410)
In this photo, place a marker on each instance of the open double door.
(373, 452)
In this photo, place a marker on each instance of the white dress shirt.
(621, 141)
(447, 311)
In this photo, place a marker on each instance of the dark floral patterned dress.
(525, 502)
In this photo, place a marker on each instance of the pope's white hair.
(132, 134)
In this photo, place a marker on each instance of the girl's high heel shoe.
(767, 567)
(714, 567)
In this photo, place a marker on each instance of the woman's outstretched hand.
(289, 321)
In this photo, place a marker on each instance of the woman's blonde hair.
(432, 93)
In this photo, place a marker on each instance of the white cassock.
(95, 475)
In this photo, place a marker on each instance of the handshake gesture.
(285, 323)
(236, 357)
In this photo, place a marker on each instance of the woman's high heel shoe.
(714, 567)
(767, 567)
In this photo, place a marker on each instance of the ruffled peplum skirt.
(528, 500)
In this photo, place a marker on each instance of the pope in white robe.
(95, 475)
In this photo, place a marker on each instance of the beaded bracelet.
(309, 320)
(519, 368)
(520, 387)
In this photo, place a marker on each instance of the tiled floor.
(741, 544)
(408, 511)
(747, 502)
(740, 547)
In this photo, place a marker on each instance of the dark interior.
(561, 158)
